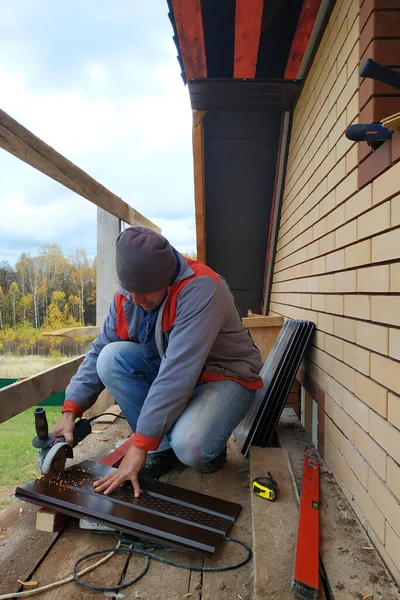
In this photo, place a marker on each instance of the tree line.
(45, 292)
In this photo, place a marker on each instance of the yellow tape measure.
(266, 487)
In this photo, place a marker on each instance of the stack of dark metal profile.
(278, 374)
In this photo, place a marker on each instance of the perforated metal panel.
(183, 518)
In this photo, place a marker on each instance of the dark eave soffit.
(246, 94)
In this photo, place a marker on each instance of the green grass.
(4, 502)
(17, 455)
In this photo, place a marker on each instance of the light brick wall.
(338, 264)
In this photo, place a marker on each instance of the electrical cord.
(132, 548)
(129, 548)
(56, 584)
(90, 419)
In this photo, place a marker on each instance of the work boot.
(159, 463)
(215, 464)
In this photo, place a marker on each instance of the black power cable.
(131, 548)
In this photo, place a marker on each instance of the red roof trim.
(247, 37)
(189, 27)
(301, 38)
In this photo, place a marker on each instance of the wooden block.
(274, 526)
(50, 521)
(115, 410)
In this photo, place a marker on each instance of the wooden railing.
(23, 144)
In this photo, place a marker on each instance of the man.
(175, 356)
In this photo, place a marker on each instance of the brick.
(347, 187)
(371, 393)
(374, 221)
(351, 159)
(379, 107)
(353, 109)
(371, 87)
(334, 389)
(334, 346)
(395, 572)
(327, 243)
(385, 52)
(385, 434)
(319, 229)
(325, 322)
(393, 546)
(334, 304)
(377, 162)
(347, 234)
(395, 211)
(326, 283)
(358, 306)
(358, 203)
(346, 281)
(386, 246)
(359, 494)
(373, 279)
(356, 357)
(340, 418)
(385, 309)
(356, 462)
(386, 185)
(357, 410)
(343, 373)
(394, 343)
(335, 260)
(334, 434)
(386, 372)
(395, 277)
(373, 337)
(370, 450)
(318, 302)
(327, 203)
(357, 254)
(337, 174)
(344, 328)
(394, 410)
(386, 501)
(367, 6)
(393, 476)
(319, 265)
(335, 218)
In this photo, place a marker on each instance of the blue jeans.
(212, 413)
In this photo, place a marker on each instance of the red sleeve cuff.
(145, 443)
(71, 406)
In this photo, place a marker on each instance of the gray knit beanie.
(145, 261)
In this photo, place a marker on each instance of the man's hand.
(128, 470)
(65, 426)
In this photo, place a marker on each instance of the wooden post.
(199, 183)
(108, 228)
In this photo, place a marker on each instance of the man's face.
(149, 301)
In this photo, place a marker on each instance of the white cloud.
(138, 144)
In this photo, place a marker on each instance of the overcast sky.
(99, 81)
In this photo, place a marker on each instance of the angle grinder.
(54, 451)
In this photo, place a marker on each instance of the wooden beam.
(73, 332)
(189, 27)
(20, 396)
(20, 142)
(199, 183)
(301, 38)
(248, 21)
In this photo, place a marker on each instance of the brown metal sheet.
(182, 518)
(235, 94)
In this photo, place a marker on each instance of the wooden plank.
(73, 332)
(58, 564)
(274, 526)
(109, 418)
(264, 338)
(23, 144)
(263, 321)
(230, 484)
(353, 571)
(301, 38)
(248, 19)
(19, 396)
(21, 541)
(189, 27)
(199, 185)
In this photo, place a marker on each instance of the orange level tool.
(306, 564)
